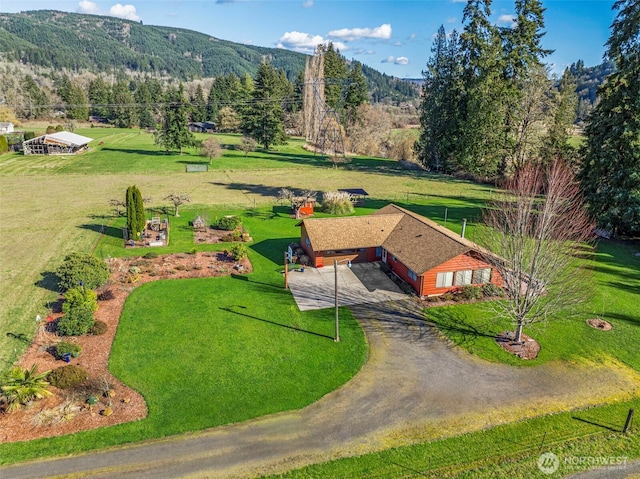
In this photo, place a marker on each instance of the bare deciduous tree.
(178, 199)
(297, 200)
(117, 204)
(248, 145)
(539, 230)
(211, 149)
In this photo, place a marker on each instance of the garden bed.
(126, 404)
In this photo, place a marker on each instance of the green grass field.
(54, 205)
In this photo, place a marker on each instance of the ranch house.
(430, 258)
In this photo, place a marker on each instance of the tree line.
(490, 107)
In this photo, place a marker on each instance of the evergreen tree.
(335, 74)
(98, 93)
(142, 98)
(174, 134)
(263, 117)
(483, 142)
(198, 105)
(123, 110)
(611, 166)
(74, 98)
(357, 93)
(564, 108)
(440, 105)
(35, 99)
(136, 218)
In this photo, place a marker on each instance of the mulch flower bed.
(65, 412)
(600, 324)
(528, 348)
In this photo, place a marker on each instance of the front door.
(384, 255)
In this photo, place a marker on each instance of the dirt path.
(414, 386)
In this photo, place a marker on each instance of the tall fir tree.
(440, 105)
(174, 134)
(98, 93)
(123, 109)
(482, 144)
(142, 98)
(263, 118)
(564, 107)
(357, 93)
(198, 105)
(610, 172)
(335, 74)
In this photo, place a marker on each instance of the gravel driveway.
(414, 386)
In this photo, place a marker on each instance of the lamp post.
(335, 272)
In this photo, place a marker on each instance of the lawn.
(256, 353)
(565, 336)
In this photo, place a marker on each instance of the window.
(307, 241)
(378, 251)
(482, 276)
(444, 279)
(413, 275)
(463, 277)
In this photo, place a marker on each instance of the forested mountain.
(77, 42)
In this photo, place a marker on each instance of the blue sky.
(394, 36)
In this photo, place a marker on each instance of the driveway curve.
(414, 386)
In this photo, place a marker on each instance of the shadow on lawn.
(455, 323)
(286, 326)
(595, 422)
(103, 229)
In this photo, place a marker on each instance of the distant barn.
(62, 143)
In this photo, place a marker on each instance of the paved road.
(628, 470)
(413, 386)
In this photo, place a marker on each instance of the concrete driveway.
(363, 283)
(414, 386)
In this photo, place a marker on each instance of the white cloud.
(452, 20)
(85, 6)
(507, 20)
(383, 32)
(308, 4)
(127, 12)
(396, 60)
(305, 42)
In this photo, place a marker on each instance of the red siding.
(403, 272)
(459, 263)
(307, 209)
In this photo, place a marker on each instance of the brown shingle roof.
(350, 232)
(416, 241)
(421, 244)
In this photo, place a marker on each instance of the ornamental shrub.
(85, 268)
(238, 251)
(77, 321)
(64, 347)
(491, 290)
(470, 292)
(337, 203)
(229, 223)
(68, 376)
(80, 298)
(4, 144)
(29, 135)
(99, 328)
